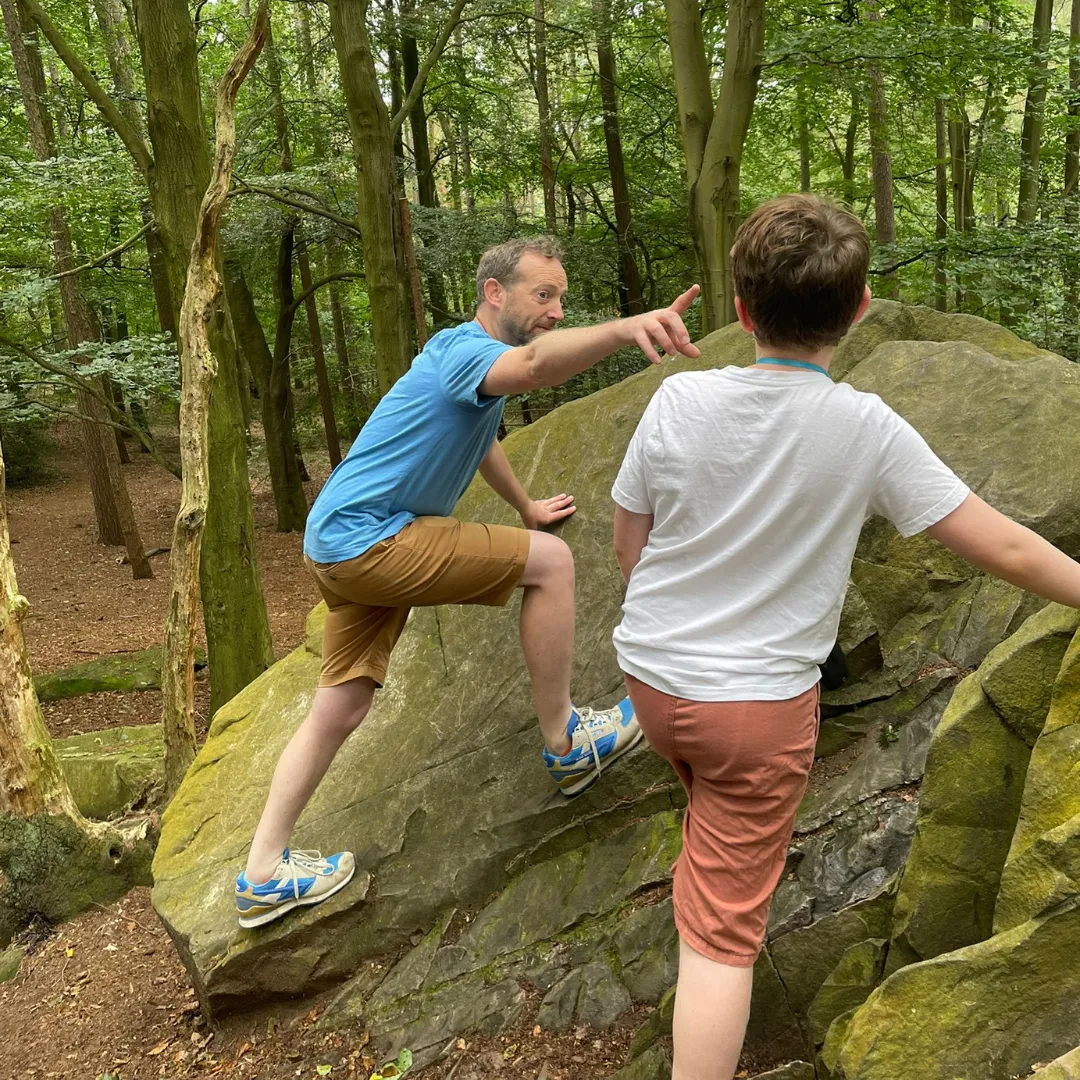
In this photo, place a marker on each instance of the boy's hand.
(542, 512)
(663, 329)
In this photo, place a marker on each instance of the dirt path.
(84, 602)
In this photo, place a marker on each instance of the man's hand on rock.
(663, 329)
(543, 512)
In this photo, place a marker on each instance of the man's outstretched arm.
(535, 514)
(631, 535)
(556, 355)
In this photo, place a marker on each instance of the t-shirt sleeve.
(631, 488)
(915, 488)
(465, 364)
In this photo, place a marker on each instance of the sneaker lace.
(303, 860)
(585, 722)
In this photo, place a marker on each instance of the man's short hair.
(799, 266)
(501, 262)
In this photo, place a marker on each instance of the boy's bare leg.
(335, 713)
(547, 633)
(712, 1006)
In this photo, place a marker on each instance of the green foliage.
(27, 449)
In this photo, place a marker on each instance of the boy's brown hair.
(799, 266)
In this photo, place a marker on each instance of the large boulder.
(971, 794)
(478, 887)
(140, 670)
(1066, 1067)
(111, 771)
(985, 1012)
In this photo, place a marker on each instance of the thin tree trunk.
(804, 134)
(384, 260)
(941, 218)
(465, 131)
(112, 503)
(850, 138)
(628, 268)
(234, 611)
(200, 367)
(1027, 203)
(322, 377)
(543, 104)
(881, 159)
(713, 138)
(290, 503)
(396, 93)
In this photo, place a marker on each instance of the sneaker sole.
(587, 782)
(284, 909)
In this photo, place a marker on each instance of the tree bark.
(628, 268)
(804, 135)
(543, 105)
(290, 503)
(237, 631)
(1027, 203)
(322, 376)
(384, 259)
(112, 503)
(881, 158)
(941, 217)
(850, 138)
(199, 365)
(713, 138)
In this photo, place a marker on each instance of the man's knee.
(346, 705)
(550, 560)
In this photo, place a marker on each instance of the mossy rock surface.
(110, 771)
(848, 986)
(1043, 865)
(985, 1012)
(654, 1064)
(10, 960)
(1066, 1067)
(121, 671)
(971, 793)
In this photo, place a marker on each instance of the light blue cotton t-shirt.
(417, 452)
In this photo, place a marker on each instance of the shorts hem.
(710, 951)
(359, 671)
(521, 556)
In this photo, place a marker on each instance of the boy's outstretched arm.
(631, 535)
(1008, 550)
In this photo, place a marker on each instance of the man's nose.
(555, 311)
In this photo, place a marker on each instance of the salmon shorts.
(432, 561)
(744, 765)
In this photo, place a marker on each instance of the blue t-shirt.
(417, 452)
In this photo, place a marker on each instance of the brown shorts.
(744, 765)
(431, 561)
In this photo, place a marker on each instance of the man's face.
(532, 305)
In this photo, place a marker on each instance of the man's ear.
(864, 305)
(742, 316)
(493, 292)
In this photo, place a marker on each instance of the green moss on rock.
(109, 771)
(121, 671)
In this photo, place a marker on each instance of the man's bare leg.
(547, 633)
(335, 713)
(712, 1006)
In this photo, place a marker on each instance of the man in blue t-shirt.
(380, 540)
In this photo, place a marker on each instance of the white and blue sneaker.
(598, 738)
(302, 877)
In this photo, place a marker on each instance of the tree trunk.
(290, 503)
(881, 158)
(425, 173)
(384, 262)
(1027, 203)
(1072, 189)
(112, 504)
(804, 134)
(941, 218)
(237, 631)
(464, 131)
(393, 54)
(850, 138)
(199, 370)
(543, 105)
(628, 268)
(322, 377)
(713, 138)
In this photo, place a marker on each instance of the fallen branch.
(199, 369)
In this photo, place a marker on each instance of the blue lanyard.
(792, 363)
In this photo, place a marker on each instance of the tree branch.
(109, 109)
(430, 61)
(310, 208)
(130, 242)
(344, 275)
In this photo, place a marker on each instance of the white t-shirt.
(759, 482)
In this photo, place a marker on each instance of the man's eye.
(543, 295)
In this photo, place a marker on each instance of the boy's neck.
(822, 358)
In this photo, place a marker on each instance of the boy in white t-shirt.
(739, 505)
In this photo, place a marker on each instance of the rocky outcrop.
(121, 671)
(112, 771)
(479, 889)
